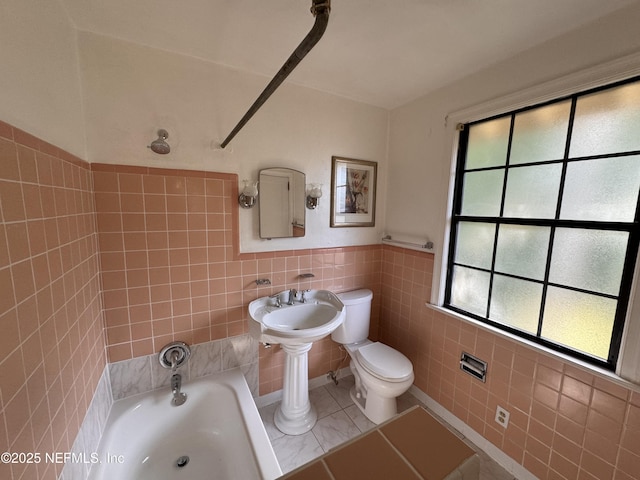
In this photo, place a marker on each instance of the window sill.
(592, 369)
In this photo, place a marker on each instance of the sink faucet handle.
(276, 296)
(302, 292)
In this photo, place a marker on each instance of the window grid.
(630, 227)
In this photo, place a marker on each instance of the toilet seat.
(384, 362)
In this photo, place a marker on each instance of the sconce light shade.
(249, 194)
(314, 192)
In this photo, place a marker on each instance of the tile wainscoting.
(51, 323)
(143, 374)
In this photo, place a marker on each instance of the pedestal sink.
(295, 320)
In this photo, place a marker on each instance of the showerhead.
(159, 145)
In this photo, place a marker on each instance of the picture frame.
(353, 192)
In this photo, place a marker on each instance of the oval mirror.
(282, 203)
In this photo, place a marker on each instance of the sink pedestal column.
(295, 415)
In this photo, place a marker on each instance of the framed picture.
(353, 192)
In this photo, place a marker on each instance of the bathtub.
(217, 433)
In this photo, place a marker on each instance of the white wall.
(130, 91)
(420, 142)
(40, 84)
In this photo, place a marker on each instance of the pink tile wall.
(171, 268)
(566, 423)
(51, 333)
(166, 257)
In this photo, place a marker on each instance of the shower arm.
(320, 9)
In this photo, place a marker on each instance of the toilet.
(381, 373)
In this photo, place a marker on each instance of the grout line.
(399, 453)
(327, 469)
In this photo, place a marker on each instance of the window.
(544, 228)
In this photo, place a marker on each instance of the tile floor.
(339, 420)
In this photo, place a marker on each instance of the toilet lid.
(384, 361)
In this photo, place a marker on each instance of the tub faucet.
(176, 381)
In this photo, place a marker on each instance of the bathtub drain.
(182, 461)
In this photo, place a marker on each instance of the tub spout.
(175, 355)
(176, 384)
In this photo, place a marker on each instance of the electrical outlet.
(502, 417)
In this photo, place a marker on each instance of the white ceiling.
(381, 52)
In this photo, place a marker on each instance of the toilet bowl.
(381, 373)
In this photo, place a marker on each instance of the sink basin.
(299, 323)
(301, 317)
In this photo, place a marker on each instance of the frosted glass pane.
(470, 290)
(482, 193)
(516, 303)
(579, 320)
(474, 245)
(588, 259)
(488, 143)
(540, 134)
(522, 250)
(532, 192)
(605, 189)
(607, 122)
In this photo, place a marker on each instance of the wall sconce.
(249, 194)
(314, 192)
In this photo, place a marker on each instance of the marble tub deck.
(340, 420)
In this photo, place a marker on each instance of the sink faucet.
(176, 381)
(292, 296)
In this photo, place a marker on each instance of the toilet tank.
(355, 327)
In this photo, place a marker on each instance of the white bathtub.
(218, 428)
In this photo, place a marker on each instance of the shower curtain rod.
(320, 9)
